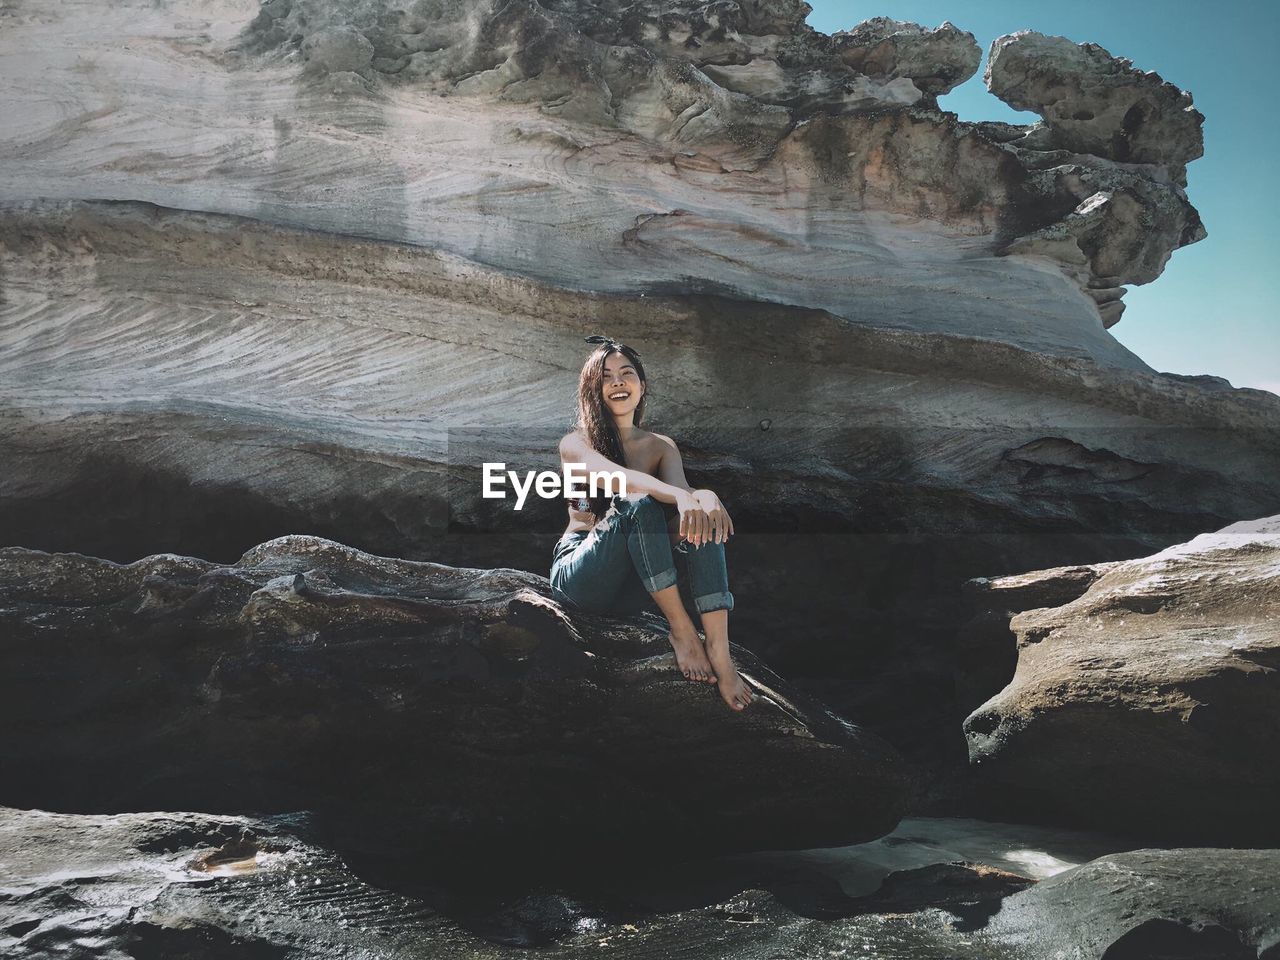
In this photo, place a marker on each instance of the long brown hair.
(594, 418)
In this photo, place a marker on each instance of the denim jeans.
(613, 567)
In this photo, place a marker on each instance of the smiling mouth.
(619, 396)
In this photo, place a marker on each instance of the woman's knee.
(650, 504)
(644, 505)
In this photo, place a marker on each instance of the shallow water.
(776, 905)
(783, 904)
(1035, 852)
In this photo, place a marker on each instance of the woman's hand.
(721, 522)
(694, 521)
(711, 521)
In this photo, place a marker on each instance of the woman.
(616, 553)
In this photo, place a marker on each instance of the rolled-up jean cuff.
(660, 582)
(714, 601)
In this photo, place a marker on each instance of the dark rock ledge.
(411, 706)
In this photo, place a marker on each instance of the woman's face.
(621, 384)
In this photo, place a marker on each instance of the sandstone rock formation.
(1113, 132)
(986, 647)
(610, 148)
(935, 61)
(1095, 103)
(1149, 702)
(752, 89)
(414, 706)
(302, 267)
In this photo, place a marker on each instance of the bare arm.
(714, 523)
(671, 467)
(575, 449)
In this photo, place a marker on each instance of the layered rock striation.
(752, 89)
(622, 148)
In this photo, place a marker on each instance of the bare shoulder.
(571, 437)
(662, 442)
(663, 450)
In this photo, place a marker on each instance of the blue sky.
(1216, 307)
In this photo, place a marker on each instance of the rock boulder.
(1192, 904)
(415, 706)
(1152, 701)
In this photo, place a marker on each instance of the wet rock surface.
(199, 886)
(204, 886)
(415, 706)
(1214, 904)
(1149, 701)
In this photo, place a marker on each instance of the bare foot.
(691, 658)
(733, 688)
